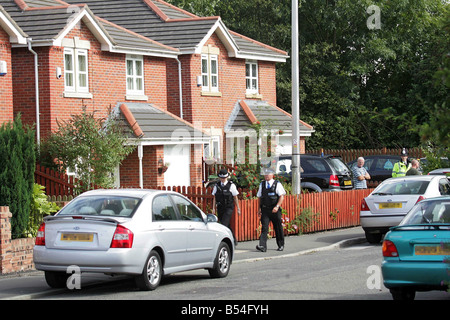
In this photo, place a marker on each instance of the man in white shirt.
(271, 195)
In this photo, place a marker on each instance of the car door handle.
(191, 228)
(161, 228)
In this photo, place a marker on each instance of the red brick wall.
(107, 82)
(129, 171)
(6, 100)
(214, 111)
(15, 255)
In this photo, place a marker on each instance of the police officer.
(401, 167)
(225, 198)
(271, 195)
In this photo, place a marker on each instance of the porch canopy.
(152, 126)
(249, 115)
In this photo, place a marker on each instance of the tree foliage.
(92, 146)
(18, 160)
(359, 87)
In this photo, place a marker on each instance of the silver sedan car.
(386, 206)
(144, 233)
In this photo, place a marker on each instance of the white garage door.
(179, 158)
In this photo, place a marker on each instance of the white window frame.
(210, 77)
(133, 76)
(212, 149)
(251, 76)
(76, 73)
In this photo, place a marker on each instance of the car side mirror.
(211, 218)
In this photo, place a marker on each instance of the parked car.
(143, 233)
(379, 166)
(317, 173)
(444, 171)
(414, 252)
(387, 205)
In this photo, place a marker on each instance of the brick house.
(183, 83)
(9, 34)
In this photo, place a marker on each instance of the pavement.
(31, 284)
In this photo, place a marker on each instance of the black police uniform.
(225, 203)
(269, 200)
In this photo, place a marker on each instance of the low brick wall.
(15, 255)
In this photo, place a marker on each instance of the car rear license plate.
(347, 182)
(84, 237)
(431, 250)
(390, 205)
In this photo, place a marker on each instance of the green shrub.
(18, 160)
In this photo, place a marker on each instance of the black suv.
(327, 173)
(378, 166)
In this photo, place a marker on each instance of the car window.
(403, 187)
(338, 165)
(284, 166)
(101, 205)
(313, 165)
(187, 209)
(384, 164)
(162, 209)
(428, 212)
(444, 187)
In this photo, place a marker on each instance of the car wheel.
(222, 262)
(403, 294)
(373, 237)
(152, 273)
(56, 279)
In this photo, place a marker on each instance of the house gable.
(16, 35)
(6, 102)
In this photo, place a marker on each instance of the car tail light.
(122, 238)
(40, 236)
(364, 206)
(420, 199)
(389, 249)
(334, 181)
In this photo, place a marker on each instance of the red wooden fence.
(348, 155)
(55, 183)
(332, 210)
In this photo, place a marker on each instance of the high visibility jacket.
(400, 169)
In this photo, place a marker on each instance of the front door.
(179, 158)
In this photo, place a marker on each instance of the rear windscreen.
(403, 187)
(429, 212)
(101, 206)
(338, 166)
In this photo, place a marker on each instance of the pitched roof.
(172, 26)
(156, 126)
(248, 112)
(16, 34)
(48, 21)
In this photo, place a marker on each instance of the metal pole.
(295, 102)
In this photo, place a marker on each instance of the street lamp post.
(295, 102)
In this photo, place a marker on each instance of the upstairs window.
(76, 70)
(135, 75)
(210, 73)
(251, 76)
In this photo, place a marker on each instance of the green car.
(416, 253)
